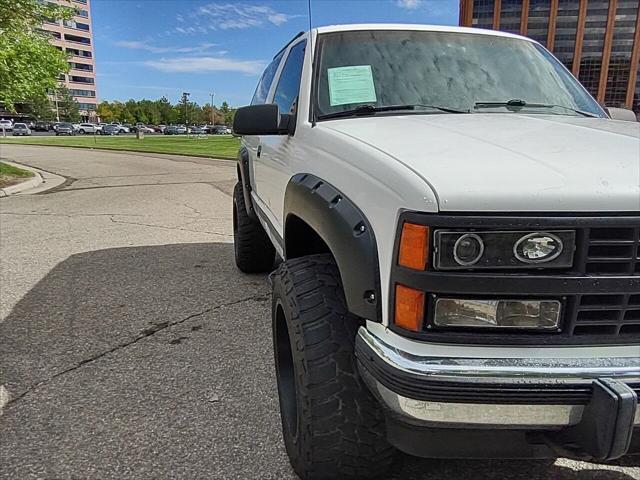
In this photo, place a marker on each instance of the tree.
(105, 112)
(67, 106)
(40, 107)
(29, 64)
(228, 113)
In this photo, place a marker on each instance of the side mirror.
(621, 114)
(259, 120)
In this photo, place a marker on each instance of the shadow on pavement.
(156, 362)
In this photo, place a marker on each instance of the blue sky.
(150, 48)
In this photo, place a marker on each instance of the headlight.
(528, 314)
(456, 250)
(468, 249)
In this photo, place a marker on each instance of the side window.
(262, 90)
(288, 87)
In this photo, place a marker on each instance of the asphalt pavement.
(131, 346)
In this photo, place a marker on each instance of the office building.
(598, 40)
(75, 37)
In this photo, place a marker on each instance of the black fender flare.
(245, 180)
(348, 235)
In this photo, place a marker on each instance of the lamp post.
(185, 99)
(213, 117)
(55, 99)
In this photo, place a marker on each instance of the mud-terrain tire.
(254, 251)
(332, 425)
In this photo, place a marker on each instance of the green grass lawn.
(10, 175)
(216, 146)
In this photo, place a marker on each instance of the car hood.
(512, 162)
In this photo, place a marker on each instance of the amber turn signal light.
(414, 246)
(409, 311)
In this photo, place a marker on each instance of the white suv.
(6, 125)
(459, 223)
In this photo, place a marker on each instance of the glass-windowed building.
(598, 40)
(75, 37)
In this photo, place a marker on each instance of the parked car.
(121, 128)
(43, 126)
(460, 273)
(195, 130)
(219, 130)
(21, 129)
(160, 128)
(145, 129)
(6, 125)
(175, 130)
(88, 128)
(110, 129)
(64, 128)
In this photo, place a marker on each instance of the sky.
(151, 48)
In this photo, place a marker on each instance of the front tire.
(253, 249)
(332, 425)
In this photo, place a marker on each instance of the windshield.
(443, 69)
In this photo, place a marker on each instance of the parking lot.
(132, 347)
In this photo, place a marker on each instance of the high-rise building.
(598, 40)
(75, 37)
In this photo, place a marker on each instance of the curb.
(40, 182)
(33, 182)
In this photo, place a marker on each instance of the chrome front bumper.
(503, 393)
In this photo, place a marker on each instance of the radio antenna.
(309, 9)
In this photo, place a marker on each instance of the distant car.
(121, 128)
(160, 128)
(43, 126)
(7, 125)
(220, 130)
(145, 129)
(87, 128)
(111, 130)
(197, 130)
(175, 130)
(21, 129)
(65, 129)
(76, 127)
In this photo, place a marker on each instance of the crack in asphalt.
(71, 215)
(96, 187)
(194, 210)
(170, 228)
(146, 333)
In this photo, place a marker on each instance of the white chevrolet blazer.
(459, 227)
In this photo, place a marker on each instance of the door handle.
(259, 151)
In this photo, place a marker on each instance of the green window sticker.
(352, 84)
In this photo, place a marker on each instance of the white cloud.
(226, 16)
(206, 65)
(408, 4)
(143, 45)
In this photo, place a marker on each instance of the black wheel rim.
(285, 373)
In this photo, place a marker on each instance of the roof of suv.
(415, 27)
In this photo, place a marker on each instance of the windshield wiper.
(369, 109)
(515, 105)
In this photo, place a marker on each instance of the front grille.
(612, 251)
(607, 315)
(600, 293)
